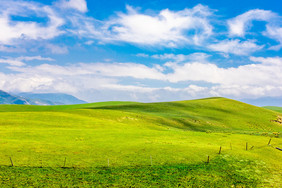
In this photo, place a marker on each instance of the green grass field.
(123, 144)
(274, 108)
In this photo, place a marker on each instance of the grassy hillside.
(115, 144)
(212, 114)
(274, 108)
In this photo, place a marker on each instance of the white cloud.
(56, 49)
(12, 62)
(262, 78)
(79, 5)
(197, 91)
(143, 94)
(182, 57)
(11, 30)
(133, 70)
(31, 58)
(246, 91)
(34, 83)
(266, 72)
(194, 72)
(175, 57)
(236, 47)
(267, 61)
(129, 88)
(240, 24)
(89, 42)
(274, 32)
(18, 62)
(168, 28)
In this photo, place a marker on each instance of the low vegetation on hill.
(215, 142)
(274, 108)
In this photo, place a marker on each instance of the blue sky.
(142, 50)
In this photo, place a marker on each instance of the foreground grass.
(223, 171)
(175, 137)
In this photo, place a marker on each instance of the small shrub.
(276, 134)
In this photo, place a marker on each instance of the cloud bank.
(262, 78)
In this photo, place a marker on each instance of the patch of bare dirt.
(278, 120)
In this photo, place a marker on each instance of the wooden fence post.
(12, 164)
(269, 141)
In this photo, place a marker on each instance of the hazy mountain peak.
(38, 98)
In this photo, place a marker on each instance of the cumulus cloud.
(246, 91)
(236, 47)
(12, 62)
(240, 24)
(11, 30)
(133, 70)
(266, 71)
(261, 78)
(19, 61)
(35, 83)
(274, 32)
(167, 28)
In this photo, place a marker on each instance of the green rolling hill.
(141, 144)
(211, 114)
(274, 108)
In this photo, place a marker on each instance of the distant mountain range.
(6, 98)
(38, 98)
(264, 101)
(54, 98)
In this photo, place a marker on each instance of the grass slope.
(274, 108)
(212, 114)
(129, 137)
(195, 175)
